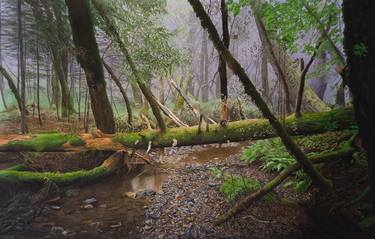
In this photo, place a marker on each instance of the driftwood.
(171, 115)
(189, 105)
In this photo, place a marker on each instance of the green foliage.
(147, 40)
(274, 156)
(233, 186)
(360, 49)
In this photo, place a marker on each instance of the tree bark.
(84, 39)
(122, 90)
(250, 89)
(223, 66)
(359, 23)
(111, 30)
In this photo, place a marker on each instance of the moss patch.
(42, 143)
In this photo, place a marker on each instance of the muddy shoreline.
(177, 197)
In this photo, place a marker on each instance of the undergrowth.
(273, 156)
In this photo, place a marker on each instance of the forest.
(187, 119)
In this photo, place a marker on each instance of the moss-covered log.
(22, 175)
(239, 131)
(42, 143)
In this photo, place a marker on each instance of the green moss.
(63, 179)
(42, 143)
(239, 131)
(76, 141)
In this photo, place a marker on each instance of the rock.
(90, 201)
(88, 206)
(146, 193)
(130, 194)
(72, 192)
(103, 206)
(54, 207)
(149, 221)
(55, 230)
(147, 228)
(212, 184)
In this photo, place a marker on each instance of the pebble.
(88, 206)
(90, 201)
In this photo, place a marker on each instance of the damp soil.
(176, 197)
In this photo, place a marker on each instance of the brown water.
(116, 213)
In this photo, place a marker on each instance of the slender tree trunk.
(265, 80)
(1, 64)
(84, 38)
(79, 94)
(161, 90)
(305, 70)
(48, 79)
(223, 66)
(360, 72)
(38, 82)
(22, 68)
(250, 89)
(111, 28)
(122, 90)
(204, 67)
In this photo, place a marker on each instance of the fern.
(234, 186)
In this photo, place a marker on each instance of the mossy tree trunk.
(146, 91)
(359, 34)
(250, 89)
(84, 39)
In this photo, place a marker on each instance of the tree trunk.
(1, 64)
(22, 68)
(305, 70)
(66, 100)
(264, 70)
(204, 87)
(223, 66)
(84, 39)
(250, 89)
(12, 87)
(122, 90)
(359, 23)
(146, 91)
(38, 82)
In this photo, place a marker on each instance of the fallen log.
(346, 150)
(22, 175)
(252, 129)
